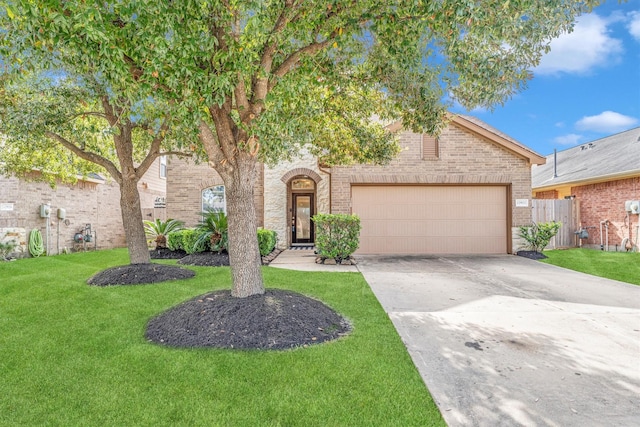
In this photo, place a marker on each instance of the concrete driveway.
(503, 340)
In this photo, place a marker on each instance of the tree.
(64, 126)
(260, 79)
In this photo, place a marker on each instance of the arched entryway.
(302, 203)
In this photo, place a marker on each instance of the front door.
(302, 226)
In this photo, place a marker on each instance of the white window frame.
(221, 204)
(163, 167)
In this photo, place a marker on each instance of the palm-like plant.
(213, 229)
(159, 230)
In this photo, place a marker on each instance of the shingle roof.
(614, 156)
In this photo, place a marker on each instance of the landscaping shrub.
(158, 230)
(538, 236)
(174, 240)
(337, 235)
(213, 232)
(187, 240)
(266, 241)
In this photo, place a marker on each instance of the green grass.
(621, 266)
(72, 354)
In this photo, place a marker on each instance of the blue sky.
(586, 88)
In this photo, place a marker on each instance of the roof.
(606, 159)
(486, 131)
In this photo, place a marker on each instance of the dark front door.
(302, 226)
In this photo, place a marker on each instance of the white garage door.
(431, 219)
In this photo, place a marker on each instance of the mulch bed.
(166, 253)
(531, 255)
(207, 259)
(277, 320)
(214, 259)
(135, 274)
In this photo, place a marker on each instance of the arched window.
(213, 199)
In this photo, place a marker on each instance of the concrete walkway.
(506, 341)
(305, 260)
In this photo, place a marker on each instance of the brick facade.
(606, 201)
(464, 158)
(185, 182)
(549, 194)
(94, 202)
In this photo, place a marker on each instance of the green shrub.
(337, 235)
(6, 248)
(266, 241)
(186, 240)
(174, 240)
(191, 243)
(538, 236)
(158, 230)
(213, 232)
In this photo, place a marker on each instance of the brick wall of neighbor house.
(464, 159)
(92, 202)
(605, 201)
(84, 202)
(550, 194)
(185, 182)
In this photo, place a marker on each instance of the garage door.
(431, 219)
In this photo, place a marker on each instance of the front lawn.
(622, 266)
(72, 354)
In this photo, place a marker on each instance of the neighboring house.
(91, 201)
(602, 176)
(465, 192)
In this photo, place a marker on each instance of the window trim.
(162, 162)
(214, 188)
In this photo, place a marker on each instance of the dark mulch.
(214, 259)
(531, 254)
(135, 274)
(277, 320)
(207, 259)
(166, 253)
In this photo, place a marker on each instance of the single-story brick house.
(465, 192)
(602, 176)
(94, 201)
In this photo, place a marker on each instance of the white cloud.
(587, 47)
(560, 124)
(570, 139)
(606, 122)
(634, 25)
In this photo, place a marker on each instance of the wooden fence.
(564, 211)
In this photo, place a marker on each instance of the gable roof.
(487, 132)
(614, 157)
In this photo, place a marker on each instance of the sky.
(586, 88)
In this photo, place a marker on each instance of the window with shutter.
(429, 147)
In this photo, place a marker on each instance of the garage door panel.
(431, 219)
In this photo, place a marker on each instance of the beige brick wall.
(465, 158)
(86, 202)
(185, 182)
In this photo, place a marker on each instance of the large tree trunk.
(244, 255)
(132, 222)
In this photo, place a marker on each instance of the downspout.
(555, 163)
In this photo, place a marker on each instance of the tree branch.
(87, 155)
